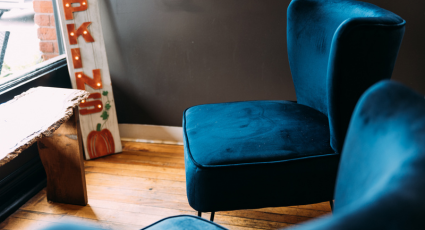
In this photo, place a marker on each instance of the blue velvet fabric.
(185, 222)
(381, 182)
(337, 49)
(257, 154)
(254, 132)
(235, 153)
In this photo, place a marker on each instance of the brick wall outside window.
(46, 31)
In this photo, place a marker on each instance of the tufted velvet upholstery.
(258, 154)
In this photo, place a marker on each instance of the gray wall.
(410, 65)
(167, 55)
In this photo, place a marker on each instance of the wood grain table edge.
(49, 131)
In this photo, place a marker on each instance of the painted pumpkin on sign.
(100, 143)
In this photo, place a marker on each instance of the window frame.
(34, 72)
(58, 30)
(42, 68)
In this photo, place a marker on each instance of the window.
(28, 36)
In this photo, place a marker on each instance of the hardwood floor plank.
(135, 161)
(172, 187)
(136, 173)
(145, 147)
(138, 194)
(294, 210)
(136, 180)
(137, 186)
(253, 214)
(145, 201)
(324, 206)
(154, 154)
(158, 159)
(15, 223)
(246, 222)
(142, 168)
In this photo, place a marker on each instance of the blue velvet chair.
(380, 183)
(254, 154)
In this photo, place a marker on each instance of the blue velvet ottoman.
(184, 222)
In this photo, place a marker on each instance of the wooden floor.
(143, 184)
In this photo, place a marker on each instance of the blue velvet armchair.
(254, 154)
(380, 183)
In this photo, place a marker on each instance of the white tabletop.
(32, 115)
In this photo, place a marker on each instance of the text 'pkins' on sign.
(88, 68)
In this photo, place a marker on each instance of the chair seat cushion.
(255, 131)
(185, 222)
(236, 151)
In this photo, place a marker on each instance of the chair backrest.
(337, 49)
(382, 166)
(381, 176)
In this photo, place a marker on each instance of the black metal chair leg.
(212, 216)
(200, 214)
(331, 202)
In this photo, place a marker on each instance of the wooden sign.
(88, 68)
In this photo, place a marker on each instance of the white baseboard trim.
(151, 134)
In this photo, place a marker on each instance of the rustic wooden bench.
(48, 116)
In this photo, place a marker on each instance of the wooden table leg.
(62, 157)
